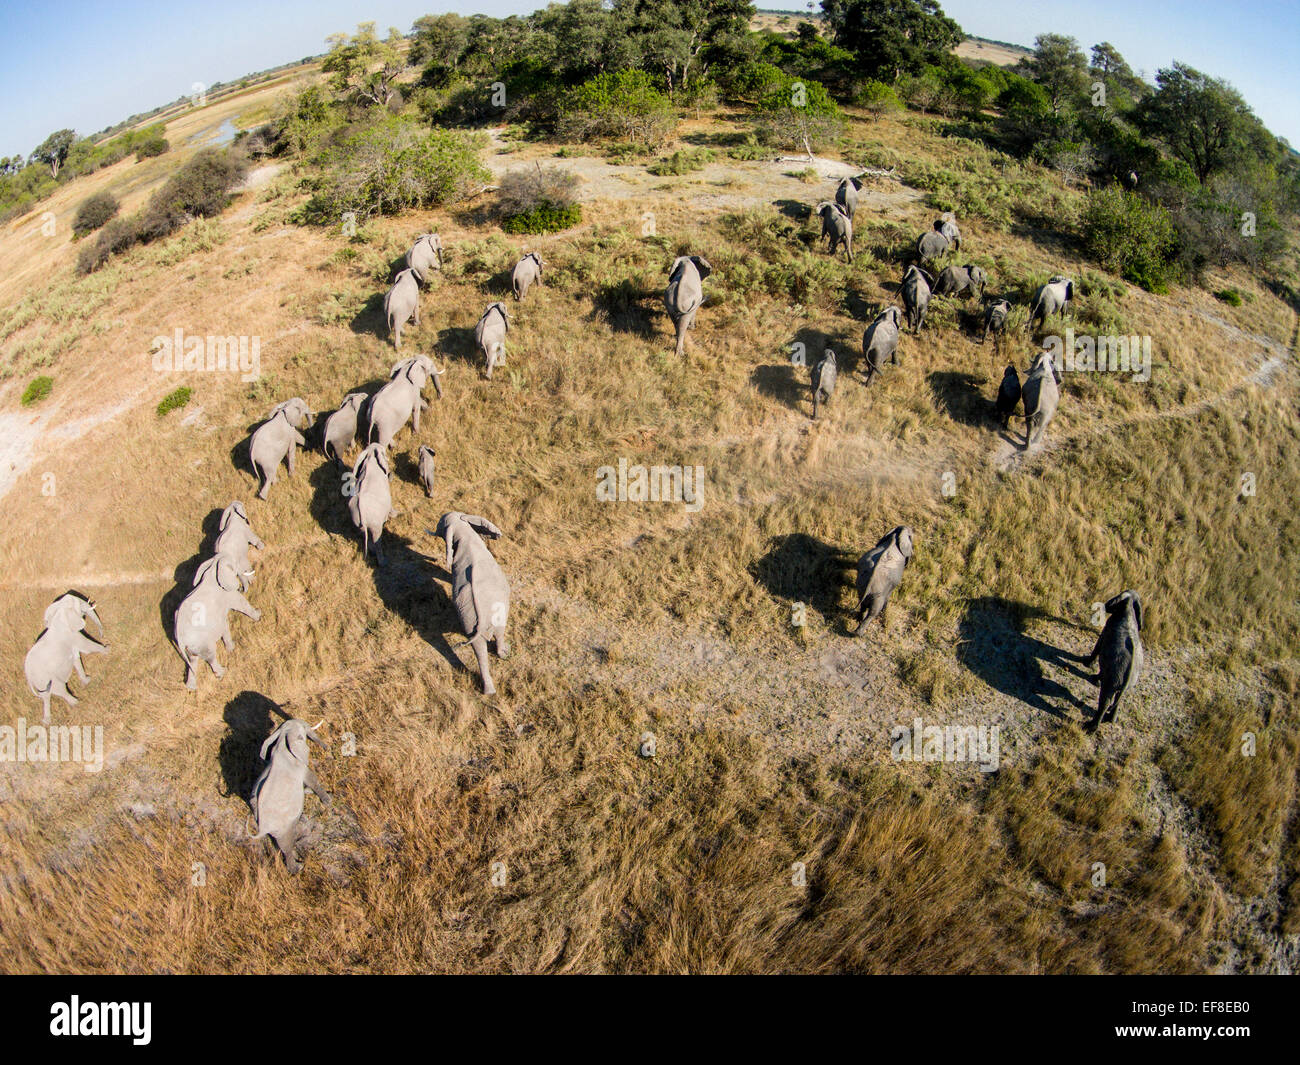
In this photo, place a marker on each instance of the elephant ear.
(903, 540)
(482, 526)
(928, 279)
(266, 744)
(62, 609)
(1069, 290)
(702, 265)
(296, 738)
(1137, 610)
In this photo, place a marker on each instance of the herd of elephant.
(480, 590)
(1040, 391)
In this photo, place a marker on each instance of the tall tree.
(364, 64)
(1058, 65)
(892, 37)
(53, 151)
(682, 39)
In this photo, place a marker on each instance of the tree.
(682, 39)
(365, 65)
(798, 114)
(54, 150)
(892, 37)
(1204, 121)
(1060, 68)
(438, 43)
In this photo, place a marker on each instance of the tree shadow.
(958, 393)
(802, 569)
(993, 645)
(250, 717)
(622, 305)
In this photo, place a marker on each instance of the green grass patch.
(37, 390)
(174, 400)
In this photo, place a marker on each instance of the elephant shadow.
(800, 568)
(183, 575)
(370, 319)
(328, 506)
(992, 644)
(622, 306)
(250, 717)
(781, 382)
(410, 584)
(958, 393)
(796, 209)
(458, 342)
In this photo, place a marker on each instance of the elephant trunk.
(90, 613)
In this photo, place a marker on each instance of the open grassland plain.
(673, 775)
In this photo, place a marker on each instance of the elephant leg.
(379, 550)
(501, 643)
(60, 688)
(288, 844)
(210, 657)
(81, 670)
(292, 457)
(310, 780)
(191, 673)
(681, 335)
(45, 707)
(227, 639)
(480, 652)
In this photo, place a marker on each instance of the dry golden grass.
(772, 741)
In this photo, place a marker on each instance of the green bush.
(683, 162)
(798, 114)
(147, 149)
(37, 390)
(617, 105)
(94, 212)
(877, 98)
(1230, 296)
(545, 218)
(1129, 236)
(174, 400)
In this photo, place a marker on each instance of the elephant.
(995, 321)
(527, 270)
(879, 572)
(837, 228)
(426, 461)
(340, 429)
(823, 381)
(200, 621)
(400, 399)
(946, 224)
(401, 303)
(234, 539)
(490, 335)
(1052, 298)
(1008, 395)
(425, 255)
(479, 588)
(964, 281)
(1041, 395)
(277, 440)
(1120, 649)
(57, 651)
(277, 796)
(880, 341)
(370, 501)
(931, 246)
(915, 290)
(846, 196)
(685, 293)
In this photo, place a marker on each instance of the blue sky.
(65, 63)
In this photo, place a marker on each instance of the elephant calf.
(479, 588)
(57, 651)
(490, 336)
(401, 304)
(995, 321)
(427, 457)
(371, 499)
(1041, 395)
(961, 281)
(1052, 298)
(685, 293)
(823, 380)
(837, 228)
(236, 536)
(1119, 647)
(200, 621)
(425, 255)
(527, 270)
(880, 341)
(340, 429)
(1008, 395)
(277, 796)
(915, 290)
(880, 571)
(277, 440)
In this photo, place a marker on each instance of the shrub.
(1129, 236)
(155, 145)
(1230, 296)
(682, 162)
(395, 166)
(94, 212)
(618, 105)
(877, 98)
(798, 114)
(174, 400)
(38, 389)
(539, 200)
